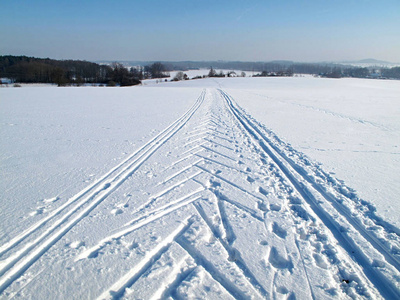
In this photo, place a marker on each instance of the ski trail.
(179, 275)
(102, 182)
(201, 260)
(138, 223)
(17, 263)
(183, 170)
(117, 289)
(226, 210)
(385, 287)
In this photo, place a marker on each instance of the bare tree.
(212, 73)
(179, 76)
(158, 70)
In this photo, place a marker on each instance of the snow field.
(212, 204)
(56, 141)
(350, 126)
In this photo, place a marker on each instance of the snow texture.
(179, 190)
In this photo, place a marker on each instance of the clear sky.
(315, 30)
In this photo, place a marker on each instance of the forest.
(23, 69)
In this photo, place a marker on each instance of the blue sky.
(202, 30)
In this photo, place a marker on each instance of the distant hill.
(373, 61)
(368, 62)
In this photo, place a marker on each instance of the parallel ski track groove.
(91, 196)
(17, 264)
(382, 248)
(218, 276)
(170, 289)
(117, 290)
(98, 183)
(136, 224)
(233, 253)
(384, 286)
(376, 243)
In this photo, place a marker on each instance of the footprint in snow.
(282, 290)
(76, 244)
(262, 206)
(320, 261)
(38, 211)
(119, 208)
(212, 184)
(249, 179)
(51, 200)
(262, 191)
(279, 231)
(117, 211)
(133, 245)
(278, 260)
(275, 207)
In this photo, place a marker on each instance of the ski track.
(227, 203)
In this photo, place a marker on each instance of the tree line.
(285, 68)
(25, 69)
(45, 70)
(358, 72)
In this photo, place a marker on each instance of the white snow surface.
(351, 126)
(229, 188)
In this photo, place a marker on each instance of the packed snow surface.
(236, 188)
(351, 126)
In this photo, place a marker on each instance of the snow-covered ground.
(351, 126)
(202, 72)
(192, 74)
(201, 189)
(55, 141)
